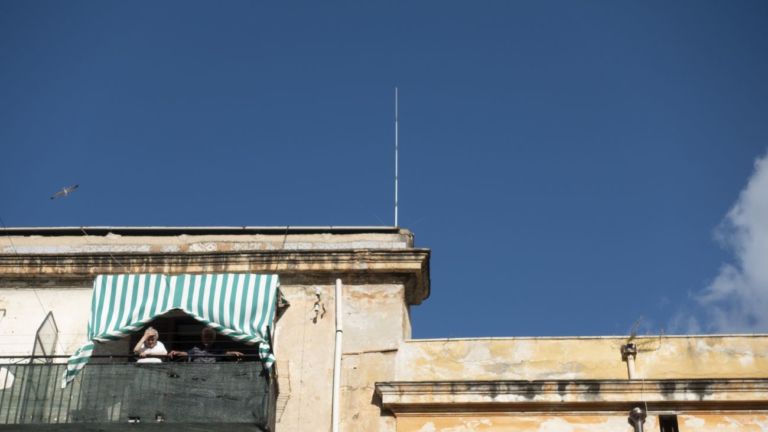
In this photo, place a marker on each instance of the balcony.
(109, 396)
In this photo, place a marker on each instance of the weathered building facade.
(685, 383)
(388, 381)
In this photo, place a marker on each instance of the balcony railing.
(107, 393)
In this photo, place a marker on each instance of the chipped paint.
(582, 358)
(528, 423)
(717, 422)
(614, 422)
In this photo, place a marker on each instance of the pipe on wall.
(335, 420)
(628, 354)
(637, 418)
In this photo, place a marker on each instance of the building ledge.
(575, 395)
(410, 265)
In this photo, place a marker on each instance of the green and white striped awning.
(240, 306)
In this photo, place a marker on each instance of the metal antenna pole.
(397, 149)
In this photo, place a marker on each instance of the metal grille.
(215, 393)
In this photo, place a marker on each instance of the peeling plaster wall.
(527, 423)
(611, 422)
(582, 358)
(587, 358)
(704, 357)
(359, 373)
(304, 350)
(723, 422)
(376, 346)
(495, 359)
(374, 317)
(376, 320)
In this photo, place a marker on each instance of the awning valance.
(240, 306)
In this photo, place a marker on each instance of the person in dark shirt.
(209, 353)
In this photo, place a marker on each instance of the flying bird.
(64, 192)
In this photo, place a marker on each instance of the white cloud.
(737, 299)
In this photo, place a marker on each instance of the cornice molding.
(412, 264)
(575, 395)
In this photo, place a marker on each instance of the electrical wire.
(108, 252)
(34, 290)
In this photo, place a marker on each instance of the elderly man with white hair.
(149, 348)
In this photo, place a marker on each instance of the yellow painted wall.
(613, 422)
(723, 422)
(509, 423)
(743, 356)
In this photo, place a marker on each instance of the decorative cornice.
(576, 395)
(412, 264)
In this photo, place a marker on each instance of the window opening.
(668, 423)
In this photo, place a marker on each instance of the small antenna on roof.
(397, 149)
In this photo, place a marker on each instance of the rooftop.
(197, 230)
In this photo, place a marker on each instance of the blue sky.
(568, 163)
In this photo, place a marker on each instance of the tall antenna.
(397, 149)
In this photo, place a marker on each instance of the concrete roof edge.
(200, 230)
(511, 338)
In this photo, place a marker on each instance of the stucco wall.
(380, 279)
(723, 422)
(610, 422)
(447, 385)
(582, 358)
(373, 322)
(528, 423)
(25, 309)
(374, 327)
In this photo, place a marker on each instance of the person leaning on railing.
(209, 353)
(149, 348)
